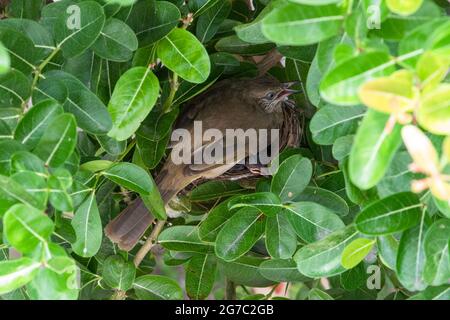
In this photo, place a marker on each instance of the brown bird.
(229, 104)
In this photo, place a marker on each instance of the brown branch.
(271, 59)
(148, 245)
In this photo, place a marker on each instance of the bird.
(229, 104)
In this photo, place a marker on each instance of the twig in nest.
(271, 59)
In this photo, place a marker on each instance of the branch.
(148, 245)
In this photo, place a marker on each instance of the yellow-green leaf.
(393, 94)
(356, 251)
(404, 7)
(434, 110)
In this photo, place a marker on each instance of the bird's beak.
(287, 85)
(286, 91)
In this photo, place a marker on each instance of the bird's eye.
(270, 95)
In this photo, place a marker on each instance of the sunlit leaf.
(356, 251)
(88, 228)
(133, 98)
(182, 53)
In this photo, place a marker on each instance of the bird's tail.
(130, 225)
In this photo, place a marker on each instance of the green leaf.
(387, 247)
(265, 202)
(88, 228)
(34, 184)
(209, 22)
(14, 89)
(317, 294)
(75, 27)
(200, 276)
(163, 19)
(117, 41)
(118, 273)
(411, 257)
(397, 27)
(211, 190)
(58, 281)
(124, 3)
(402, 7)
(22, 52)
(436, 245)
(324, 197)
(25, 9)
(323, 258)
(232, 44)
(182, 53)
(153, 287)
(133, 98)
(354, 278)
(395, 213)
(239, 234)
(16, 273)
(154, 202)
(32, 126)
(12, 192)
(183, 238)
(292, 177)
(252, 32)
(373, 149)
(443, 206)
(315, 2)
(433, 293)
(5, 60)
(340, 85)
(331, 122)
(130, 176)
(281, 271)
(111, 145)
(398, 177)
(356, 251)
(50, 89)
(96, 165)
(26, 161)
(26, 227)
(59, 198)
(311, 221)
(281, 240)
(354, 194)
(433, 113)
(300, 25)
(214, 221)
(91, 114)
(419, 39)
(153, 136)
(58, 140)
(245, 271)
(7, 149)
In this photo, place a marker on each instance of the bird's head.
(269, 94)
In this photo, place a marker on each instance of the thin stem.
(349, 7)
(129, 147)
(41, 67)
(148, 245)
(173, 90)
(327, 174)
